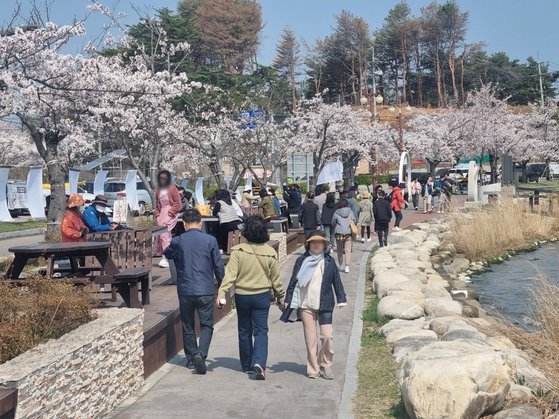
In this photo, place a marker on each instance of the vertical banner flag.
(99, 183)
(4, 211)
(248, 185)
(228, 180)
(73, 178)
(331, 172)
(131, 191)
(199, 191)
(35, 197)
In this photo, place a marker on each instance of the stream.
(506, 288)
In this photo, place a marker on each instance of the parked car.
(115, 189)
(534, 171)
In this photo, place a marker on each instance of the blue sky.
(521, 28)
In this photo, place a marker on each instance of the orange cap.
(75, 200)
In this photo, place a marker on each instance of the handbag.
(353, 227)
(266, 274)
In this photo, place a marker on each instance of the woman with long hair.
(314, 283)
(228, 214)
(168, 205)
(341, 223)
(253, 269)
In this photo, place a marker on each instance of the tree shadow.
(289, 367)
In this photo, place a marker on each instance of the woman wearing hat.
(73, 228)
(95, 215)
(314, 282)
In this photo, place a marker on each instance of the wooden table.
(109, 273)
(208, 224)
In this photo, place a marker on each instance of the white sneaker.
(369, 240)
(346, 270)
(341, 268)
(357, 237)
(438, 212)
(362, 239)
(396, 228)
(163, 263)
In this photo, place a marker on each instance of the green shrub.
(40, 310)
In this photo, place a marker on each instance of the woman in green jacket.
(253, 269)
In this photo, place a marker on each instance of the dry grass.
(41, 310)
(145, 221)
(494, 231)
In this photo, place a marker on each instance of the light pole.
(393, 109)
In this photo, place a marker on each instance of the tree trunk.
(432, 167)
(438, 75)
(57, 205)
(493, 160)
(452, 68)
(419, 76)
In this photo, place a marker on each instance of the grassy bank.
(23, 225)
(378, 395)
(491, 232)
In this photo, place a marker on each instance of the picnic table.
(107, 272)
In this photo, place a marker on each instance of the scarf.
(308, 267)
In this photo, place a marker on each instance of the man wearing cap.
(95, 215)
(73, 228)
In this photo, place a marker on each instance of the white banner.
(248, 185)
(4, 211)
(131, 190)
(99, 183)
(35, 198)
(73, 178)
(332, 172)
(199, 191)
(228, 180)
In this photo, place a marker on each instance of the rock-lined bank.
(448, 367)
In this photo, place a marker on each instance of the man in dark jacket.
(382, 212)
(198, 261)
(309, 215)
(292, 196)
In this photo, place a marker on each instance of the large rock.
(400, 237)
(403, 255)
(382, 257)
(519, 411)
(386, 279)
(436, 291)
(463, 334)
(520, 393)
(394, 307)
(441, 325)
(529, 375)
(441, 307)
(412, 264)
(407, 333)
(411, 286)
(417, 236)
(458, 380)
(411, 344)
(397, 324)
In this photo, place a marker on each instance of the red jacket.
(397, 202)
(174, 199)
(72, 225)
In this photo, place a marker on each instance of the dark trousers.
(382, 232)
(368, 231)
(223, 233)
(204, 305)
(415, 200)
(399, 217)
(252, 319)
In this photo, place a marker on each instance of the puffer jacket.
(397, 202)
(340, 221)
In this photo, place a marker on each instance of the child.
(383, 214)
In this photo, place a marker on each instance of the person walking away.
(341, 223)
(73, 229)
(397, 203)
(406, 188)
(247, 199)
(365, 218)
(350, 196)
(228, 216)
(253, 269)
(377, 189)
(95, 216)
(267, 205)
(326, 216)
(292, 196)
(427, 193)
(314, 282)
(415, 193)
(168, 205)
(309, 215)
(199, 264)
(276, 201)
(320, 197)
(446, 194)
(383, 214)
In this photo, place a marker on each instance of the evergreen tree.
(287, 62)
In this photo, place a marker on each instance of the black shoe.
(199, 364)
(190, 364)
(260, 372)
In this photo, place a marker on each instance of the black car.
(534, 171)
(420, 176)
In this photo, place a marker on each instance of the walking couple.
(253, 269)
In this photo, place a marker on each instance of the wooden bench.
(127, 282)
(292, 242)
(280, 225)
(8, 402)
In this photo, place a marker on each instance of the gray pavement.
(5, 244)
(174, 392)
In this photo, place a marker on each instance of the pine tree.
(287, 62)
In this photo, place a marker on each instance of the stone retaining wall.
(281, 238)
(448, 367)
(85, 373)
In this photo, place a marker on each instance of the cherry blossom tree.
(16, 146)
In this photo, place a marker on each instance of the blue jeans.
(252, 318)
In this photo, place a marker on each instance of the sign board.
(299, 166)
(120, 211)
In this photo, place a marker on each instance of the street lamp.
(393, 109)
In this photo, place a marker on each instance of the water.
(507, 288)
